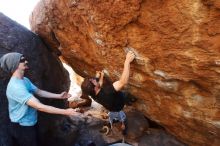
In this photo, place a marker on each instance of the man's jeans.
(23, 135)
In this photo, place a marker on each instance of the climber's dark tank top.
(109, 97)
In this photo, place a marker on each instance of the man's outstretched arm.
(36, 104)
(118, 85)
(47, 94)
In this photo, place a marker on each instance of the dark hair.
(88, 87)
(22, 59)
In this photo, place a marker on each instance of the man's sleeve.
(21, 95)
(32, 87)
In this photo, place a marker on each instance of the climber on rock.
(109, 94)
(22, 103)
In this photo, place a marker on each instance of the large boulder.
(157, 137)
(46, 71)
(176, 72)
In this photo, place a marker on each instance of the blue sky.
(18, 10)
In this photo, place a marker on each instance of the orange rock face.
(176, 75)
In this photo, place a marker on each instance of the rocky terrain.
(47, 72)
(176, 72)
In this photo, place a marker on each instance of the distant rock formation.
(46, 71)
(176, 75)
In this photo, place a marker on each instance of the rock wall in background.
(176, 74)
(46, 71)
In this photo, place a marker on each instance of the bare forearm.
(46, 94)
(35, 103)
(101, 80)
(125, 74)
(51, 110)
(118, 85)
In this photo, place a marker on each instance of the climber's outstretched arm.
(118, 85)
(100, 76)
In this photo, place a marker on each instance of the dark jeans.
(23, 135)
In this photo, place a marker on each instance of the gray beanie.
(10, 61)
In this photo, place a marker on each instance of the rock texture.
(90, 125)
(176, 71)
(46, 71)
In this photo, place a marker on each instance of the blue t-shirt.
(18, 92)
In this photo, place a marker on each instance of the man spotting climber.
(108, 94)
(22, 104)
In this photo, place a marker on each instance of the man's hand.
(65, 95)
(71, 112)
(130, 57)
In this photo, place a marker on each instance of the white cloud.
(18, 10)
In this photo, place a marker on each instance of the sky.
(18, 10)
